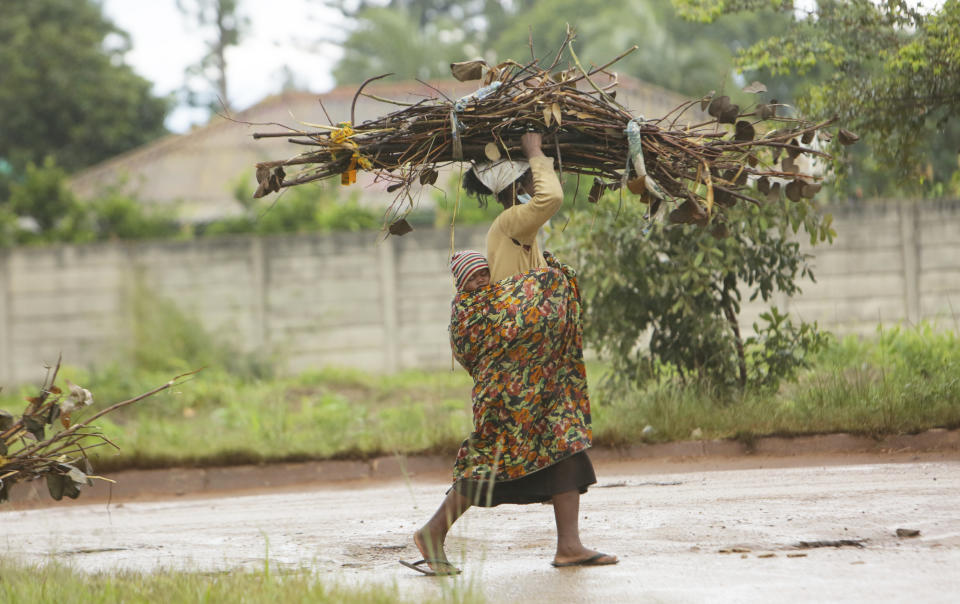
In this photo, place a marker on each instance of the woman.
(520, 339)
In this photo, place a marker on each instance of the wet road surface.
(699, 533)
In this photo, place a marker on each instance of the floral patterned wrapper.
(522, 342)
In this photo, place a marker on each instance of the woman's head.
(505, 180)
(470, 270)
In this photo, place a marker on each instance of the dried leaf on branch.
(585, 129)
(33, 446)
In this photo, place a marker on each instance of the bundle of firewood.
(45, 442)
(737, 153)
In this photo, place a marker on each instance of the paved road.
(675, 527)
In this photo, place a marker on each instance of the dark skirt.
(568, 474)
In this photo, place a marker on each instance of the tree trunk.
(738, 340)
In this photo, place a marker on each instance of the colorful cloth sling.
(521, 340)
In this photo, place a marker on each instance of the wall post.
(6, 346)
(258, 277)
(911, 261)
(387, 269)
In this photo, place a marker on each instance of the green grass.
(217, 418)
(902, 381)
(58, 584)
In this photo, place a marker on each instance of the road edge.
(188, 482)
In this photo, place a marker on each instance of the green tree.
(318, 207)
(887, 69)
(679, 288)
(64, 89)
(474, 15)
(8, 228)
(687, 57)
(43, 198)
(386, 40)
(419, 38)
(226, 25)
(119, 216)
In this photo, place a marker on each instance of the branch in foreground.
(27, 453)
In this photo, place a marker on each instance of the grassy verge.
(219, 418)
(902, 381)
(55, 583)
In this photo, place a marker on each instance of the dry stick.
(44, 392)
(592, 133)
(259, 135)
(115, 406)
(389, 101)
(514, 77)
(320, 100)
(34, 406)
(353, 105)
(556, 145)
(680, 113)
(593, 84)
(434, 88)
(556, 60)
(605, 65)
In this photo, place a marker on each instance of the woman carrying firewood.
(520, 338)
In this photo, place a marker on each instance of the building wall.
(381, 305)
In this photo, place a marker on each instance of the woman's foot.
(583, 557)
(431, 550)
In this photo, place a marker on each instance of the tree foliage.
(680, 55)
(391, 41)
(688, 57)
(887, 69)
(679, 288)
(64, 89)
(42, 210)
(43, 196)
(226, 26)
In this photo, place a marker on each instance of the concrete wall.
(352, 299)
(889, 263)
(342, 299)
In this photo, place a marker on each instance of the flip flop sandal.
(594, 560)
(422, 566)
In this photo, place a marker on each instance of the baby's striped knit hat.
(465, 263)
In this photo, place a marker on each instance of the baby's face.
(477, 280)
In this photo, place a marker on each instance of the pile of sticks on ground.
(44, 443)
(736, 154)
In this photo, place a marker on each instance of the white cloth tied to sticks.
(479, 95)
(636, 156)
(459, 106)
(499, 175)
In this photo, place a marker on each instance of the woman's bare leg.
(566, 511)
(430, 538)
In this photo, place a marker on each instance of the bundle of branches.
(736, 154)
(28, 453)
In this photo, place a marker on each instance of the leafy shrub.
(42, 197)
(677, 289)
(119, 216)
